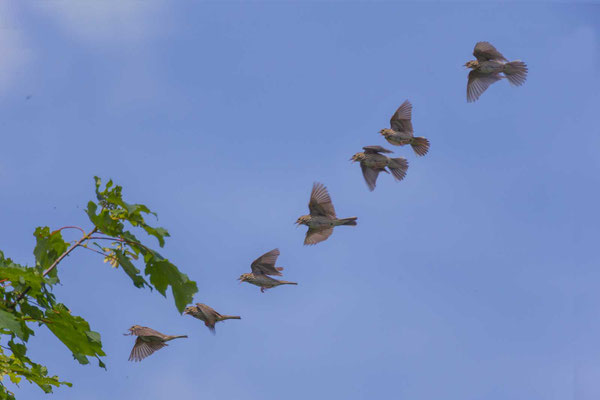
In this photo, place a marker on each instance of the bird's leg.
(262, 289)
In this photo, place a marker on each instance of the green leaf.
(9, 322)
(22, 276)
(18, 367)
(18, 349)
(103, 220)
(32, 311)
(158, 233)
(163, 274)
(130, 269)
(49, 246)
(75, 333)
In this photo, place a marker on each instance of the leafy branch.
(26, 296)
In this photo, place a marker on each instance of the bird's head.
(386, 132)
(471, 64)
(358, 157)
(303, 220)
(245, 277)
(131, 330)
(189, 310)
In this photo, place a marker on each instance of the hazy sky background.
(477, 277)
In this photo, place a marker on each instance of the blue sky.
(475, 277)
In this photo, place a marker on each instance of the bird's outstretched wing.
(370, 176)
(484, 51)
(314, 236)
(143, 349)
(376, 149)
(401, 120)
(265, 264)
(320, 203)
(478, 83)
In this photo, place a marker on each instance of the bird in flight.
(488, 66)
(372, 162)
(401, 132)
(322, 218)
(208, 315)
(148, 341)
(262, 267)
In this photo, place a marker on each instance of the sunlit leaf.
(75, 333)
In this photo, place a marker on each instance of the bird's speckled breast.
(264, 281)
(399, 138)
(321, 222)
(490, 67)
(375, 161)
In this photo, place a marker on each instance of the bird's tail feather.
(516, 72)
(398, 166)
(178, 337)
(230, 317)
(348, 221)
(420, 145)
(288, 283)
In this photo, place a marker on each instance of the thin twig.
(66, 253)
(70, 227)
(96, 251)
(122, 241)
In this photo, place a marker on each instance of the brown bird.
(372, 162)
(322, 218)
(207, 314)
(148, 341)
(261, 268)
(487, 69)
(401, 133)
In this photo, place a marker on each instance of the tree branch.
(70, 249)
(85, 237)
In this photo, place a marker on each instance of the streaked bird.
(322, 218)
(402, 132)
(487, 69)
(208, 315)
(148, 341)
(372, 162)
(262, 267)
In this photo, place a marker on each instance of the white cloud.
(15, 53)
(105, 20)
